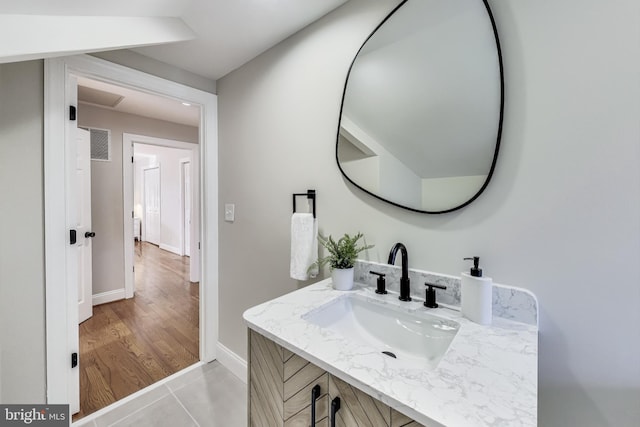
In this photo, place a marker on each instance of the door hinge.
(198, 245)
(132, 214)
(72, 113)
(131, 159)
(134, 269)
(74, 360)
(72, 237)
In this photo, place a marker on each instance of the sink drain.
(388, 353)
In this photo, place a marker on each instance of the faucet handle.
(430, 297)
(381, 283)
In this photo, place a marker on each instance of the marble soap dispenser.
(476, 294)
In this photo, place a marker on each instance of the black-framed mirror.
(422, 108)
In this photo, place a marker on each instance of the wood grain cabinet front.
(281, 387)
(286, 390)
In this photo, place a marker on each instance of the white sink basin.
(417, 339)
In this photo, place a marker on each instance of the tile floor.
(209, 395)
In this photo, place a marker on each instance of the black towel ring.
(310, 194)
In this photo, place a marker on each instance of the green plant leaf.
(343, 253)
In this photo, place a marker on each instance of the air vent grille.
(100, 144)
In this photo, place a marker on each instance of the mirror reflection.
(421, 112)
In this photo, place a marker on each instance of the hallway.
(130, 344)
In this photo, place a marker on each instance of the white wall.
(438, 193)
(561, 216)
(22, 320)
(170, 190)
(146, 64)
(106, 187)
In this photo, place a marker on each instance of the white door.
(83, 228)
(151, 222)
(186, 208)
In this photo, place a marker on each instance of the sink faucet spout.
(405, 289)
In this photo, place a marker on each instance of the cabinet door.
(280, 387)
(301, 377)
(401, 420)
(357, 409)
(266, 382)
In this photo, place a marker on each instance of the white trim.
(88, 420)
(163, 142)
(127, 203)
(58, 278)
(183, 237)
(170, 248)
(58, 345)
(109, 296)
(230, 360)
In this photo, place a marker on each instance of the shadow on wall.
(570, 405)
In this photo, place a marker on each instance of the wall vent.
(100, 144)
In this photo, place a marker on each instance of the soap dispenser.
(476, 294)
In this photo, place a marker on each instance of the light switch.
(229, 212)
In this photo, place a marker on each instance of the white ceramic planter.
(342, 279)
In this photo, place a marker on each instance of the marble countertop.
(487, 377)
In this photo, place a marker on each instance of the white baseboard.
(109, 296)
(230, 360)
(171, 249)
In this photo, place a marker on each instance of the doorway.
(165, 344)
(61, 254)
(180, 164)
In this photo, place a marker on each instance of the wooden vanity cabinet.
(280, 390)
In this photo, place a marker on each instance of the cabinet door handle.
(315, 393)
(335, 406)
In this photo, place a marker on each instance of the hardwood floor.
(130, 344)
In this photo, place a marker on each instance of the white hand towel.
(304, 246)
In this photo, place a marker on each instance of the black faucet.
(405, 289)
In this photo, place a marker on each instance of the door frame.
(183, 205)
(59, 279)
(127, 181)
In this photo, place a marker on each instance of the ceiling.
(229, 33)
(124, 100)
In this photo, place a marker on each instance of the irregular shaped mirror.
(421, 114)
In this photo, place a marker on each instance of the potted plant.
(342, 256)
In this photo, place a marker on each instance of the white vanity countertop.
(488, 376)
